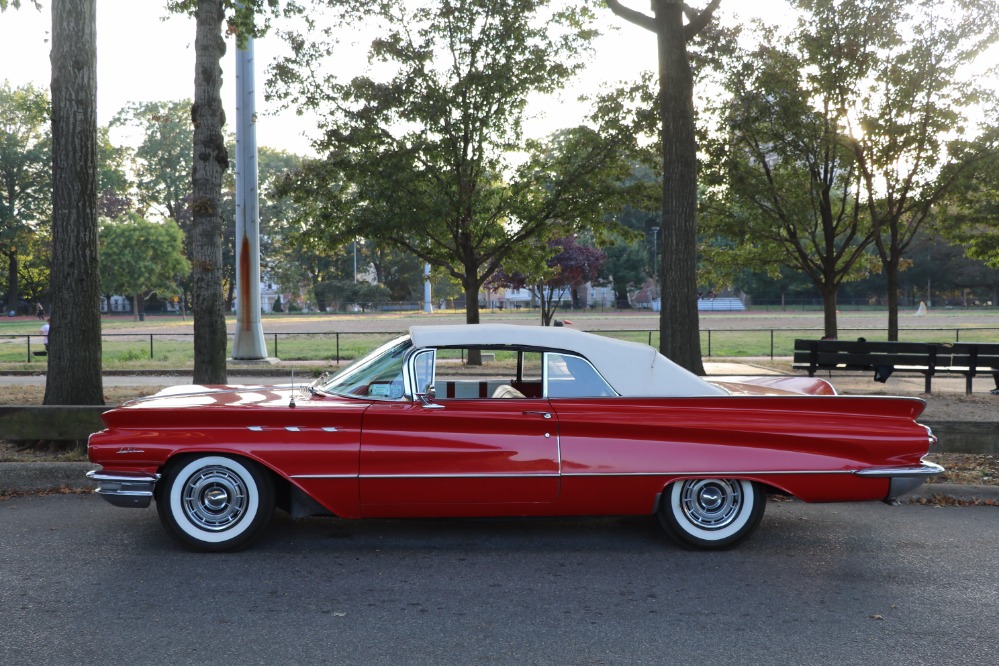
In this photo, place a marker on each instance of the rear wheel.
(215, 503)
(711, 513)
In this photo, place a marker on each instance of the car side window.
(423, 370)
(573, 377)
(476, 374)
(378, 375)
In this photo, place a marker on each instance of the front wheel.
(711, 513)
(215, 503)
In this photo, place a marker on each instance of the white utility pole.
(248, 343)
(427, 305)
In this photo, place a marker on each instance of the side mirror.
(428, 396)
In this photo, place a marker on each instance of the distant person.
(40, 311)
(45, 333)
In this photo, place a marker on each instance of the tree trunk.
(472, 314)
(679, 338)
(891, 277)
(74, 372)
(829, 295)
(13, 297)
(471, 302)
(210, 162)
(547, 308)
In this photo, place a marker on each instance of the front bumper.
(902, 479)
(126, 490)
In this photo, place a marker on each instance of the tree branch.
(697, 21)
(632, 15)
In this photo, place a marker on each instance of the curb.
(954, 491)
(27, 477)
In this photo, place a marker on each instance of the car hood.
(198, 395)
(190, 405)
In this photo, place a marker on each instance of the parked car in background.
(501, 420)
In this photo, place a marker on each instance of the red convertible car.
(499, 420)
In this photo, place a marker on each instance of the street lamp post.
(248, 342)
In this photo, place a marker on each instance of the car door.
(457, 452)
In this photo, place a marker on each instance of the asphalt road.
(84, 582)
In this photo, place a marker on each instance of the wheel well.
(765, 488)
(773, 490)
(282, 487)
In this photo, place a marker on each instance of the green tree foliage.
(289, 257)
(397, 270)
(113, 184)
(163, 160)
(416, 154)
(244, 18)
(784, 184)
(840, 136)
(139, 258)
(942, 274)
(343, 294)
(970, 215)
(910, 110)
(25, 177)
(626, 268)
(295, 265)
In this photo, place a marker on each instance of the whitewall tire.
(711, 513)
(215, 503)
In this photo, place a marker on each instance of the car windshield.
(377, 375)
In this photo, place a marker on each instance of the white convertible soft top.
(633, 369)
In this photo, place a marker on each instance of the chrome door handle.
(546, 415)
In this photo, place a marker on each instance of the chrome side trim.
(323, 476)
(291, 428)
(716, 474)
(570, 474)
(125, 490)
(549, 475)
(535, 475)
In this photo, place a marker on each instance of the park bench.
(884, 358)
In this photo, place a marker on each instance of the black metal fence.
(175, 350)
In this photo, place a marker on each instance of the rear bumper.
(125, 490)
(902, 479)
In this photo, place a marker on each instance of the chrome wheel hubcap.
(214, 498)
(711, 504)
